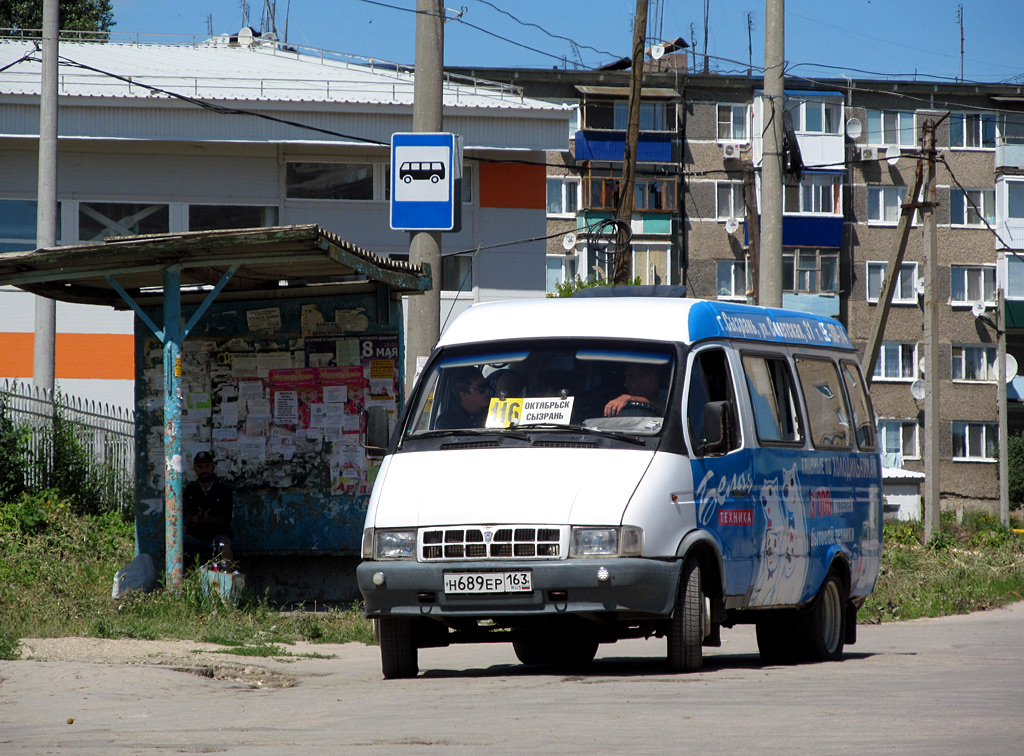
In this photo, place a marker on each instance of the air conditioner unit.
(731, 151)
(869, 153)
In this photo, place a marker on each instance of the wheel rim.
(831, 616)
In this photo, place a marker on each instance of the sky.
(859, 38)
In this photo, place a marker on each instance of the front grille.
(483, 542)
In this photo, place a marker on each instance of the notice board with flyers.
(276, 391)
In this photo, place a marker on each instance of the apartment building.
(859, 142)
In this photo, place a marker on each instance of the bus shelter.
(263, 346)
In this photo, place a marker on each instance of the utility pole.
(753, 230)
(769, 292)
(44, 346)
(1004, 436)
(425, 246)
(627, 185)
(932, 487)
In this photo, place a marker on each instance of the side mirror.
(376, 442)
(718, 424)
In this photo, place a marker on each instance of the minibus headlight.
(395, 544)
(594, 542)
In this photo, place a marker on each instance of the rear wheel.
(398, 651)
(686, 628)
(824, 626)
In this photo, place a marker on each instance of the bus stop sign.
(426, 182)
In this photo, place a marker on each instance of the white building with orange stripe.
(166, 138)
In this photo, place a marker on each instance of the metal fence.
(106, 432)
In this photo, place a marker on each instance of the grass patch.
(56, 573)
(973, 565)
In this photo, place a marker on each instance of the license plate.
(488, 582)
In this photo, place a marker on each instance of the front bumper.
(643, 587)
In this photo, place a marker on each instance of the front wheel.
(686, 628)
(399, 655)
(824, 626)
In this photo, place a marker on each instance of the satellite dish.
(977, 309)
(917, 389)
(920, 365)
(893, 154)
(245, 37)
(731, 225)
(569, 242)
(854, 128)
(657, 50)
(1011, 367)
(919, 287)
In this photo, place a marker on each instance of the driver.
(471, 397)
(641, 384)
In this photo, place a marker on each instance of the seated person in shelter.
(471, 395)
(641, 382)
(206, 507)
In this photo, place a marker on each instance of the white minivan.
(569, 472)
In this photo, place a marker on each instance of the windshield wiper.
(507, 432)
(585, 429)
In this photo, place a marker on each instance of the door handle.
(740, 492)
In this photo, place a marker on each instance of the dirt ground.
(202, 659)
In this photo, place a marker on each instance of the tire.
(398, 652)
(823, 627)
(531, 650)
(686, 627)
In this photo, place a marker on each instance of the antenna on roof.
(209, 24)
(268, 21)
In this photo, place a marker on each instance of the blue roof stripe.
(710, 320)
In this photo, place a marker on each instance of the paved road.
(947, 686)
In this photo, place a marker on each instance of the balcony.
(1009, 152)
(652, 147)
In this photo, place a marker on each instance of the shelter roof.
(274, 263)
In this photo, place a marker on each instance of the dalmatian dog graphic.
(783, 569)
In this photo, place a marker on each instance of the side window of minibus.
(710, 381)
(772, 399)
(863, 417)
(827, 414)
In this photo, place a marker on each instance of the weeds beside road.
(57, 568)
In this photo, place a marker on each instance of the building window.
(815, 116)
(906, 287)
(974, 363)
(972, 207)
(972, 130)
(816, 193)
(732, 123)
(213, 217)
(729, 201)
(1011, 129)
(891, 127)
(885, 203)
(896, 362)
(601, 192)
(1015, 200)
(457, 273)
(18, 230)
(467, 183)
(975, 441)
(972, 283)
(732, 279)
(98, 220)
(810, 271)
(654, 116)
(563, 195)
(899, 437)
(560, 269)
(329, 181)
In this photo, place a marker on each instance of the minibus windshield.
(604, 386)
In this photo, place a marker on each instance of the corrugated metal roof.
(898, 473)
(303, 256)
(221, 72)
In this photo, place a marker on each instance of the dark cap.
(203, 456)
